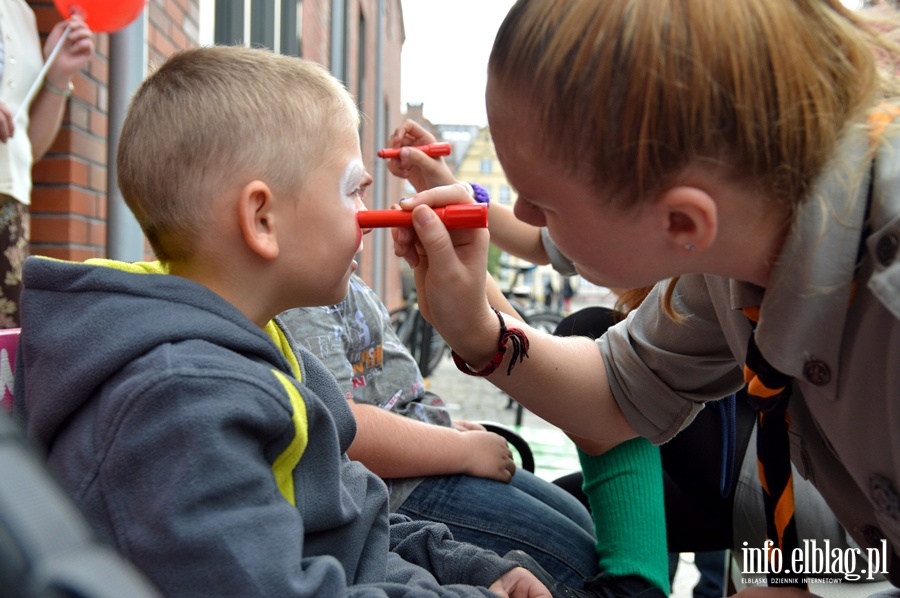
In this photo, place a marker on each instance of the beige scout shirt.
(845, 410)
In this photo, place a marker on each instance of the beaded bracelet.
(520, 351)
(480, 194)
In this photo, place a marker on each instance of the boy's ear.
(256, 218)
(691, 218)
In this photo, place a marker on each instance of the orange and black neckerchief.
(768, 392)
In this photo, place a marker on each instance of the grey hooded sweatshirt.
(205, 453)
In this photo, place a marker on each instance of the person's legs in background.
(14, 234)
(711, 565)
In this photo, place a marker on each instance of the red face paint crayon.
(463, 215)
(432, 149)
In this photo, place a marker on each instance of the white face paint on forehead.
(351, 179)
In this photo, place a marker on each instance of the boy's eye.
(361, 190)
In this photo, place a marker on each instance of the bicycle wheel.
(428, 346)
(419, 337)
(398, 317)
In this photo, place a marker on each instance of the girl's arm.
(46, 111)
(516, 237)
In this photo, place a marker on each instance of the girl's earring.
(689, 247)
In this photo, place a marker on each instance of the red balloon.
(102, 16)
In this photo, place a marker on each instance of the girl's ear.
(256, 218)
(691, 218)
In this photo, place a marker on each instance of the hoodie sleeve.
(431, 545)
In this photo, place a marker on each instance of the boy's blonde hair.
(208, 121)
(629, 93)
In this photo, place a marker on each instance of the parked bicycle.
(418, 336)
(541, 318)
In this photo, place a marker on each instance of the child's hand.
(519, 583)
(465, 426)
(488, 456)
(422, 171)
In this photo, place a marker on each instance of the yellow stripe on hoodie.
(287, 461)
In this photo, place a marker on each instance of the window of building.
(273, 24)
(486, 166)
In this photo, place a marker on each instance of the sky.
(444, 58)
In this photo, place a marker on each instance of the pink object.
(461, 215)
(102, 16)
(9, 340)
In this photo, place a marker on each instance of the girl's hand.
(76, 50)
(420, 169)
(410, 133)
(449, 269)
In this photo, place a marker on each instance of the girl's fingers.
(439, 196)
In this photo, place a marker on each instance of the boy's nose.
(361, 207)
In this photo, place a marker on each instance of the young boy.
(203, 450)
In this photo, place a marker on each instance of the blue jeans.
(528, 514)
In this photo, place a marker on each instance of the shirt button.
(886, 249)
(817, 372)
(884, 495)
